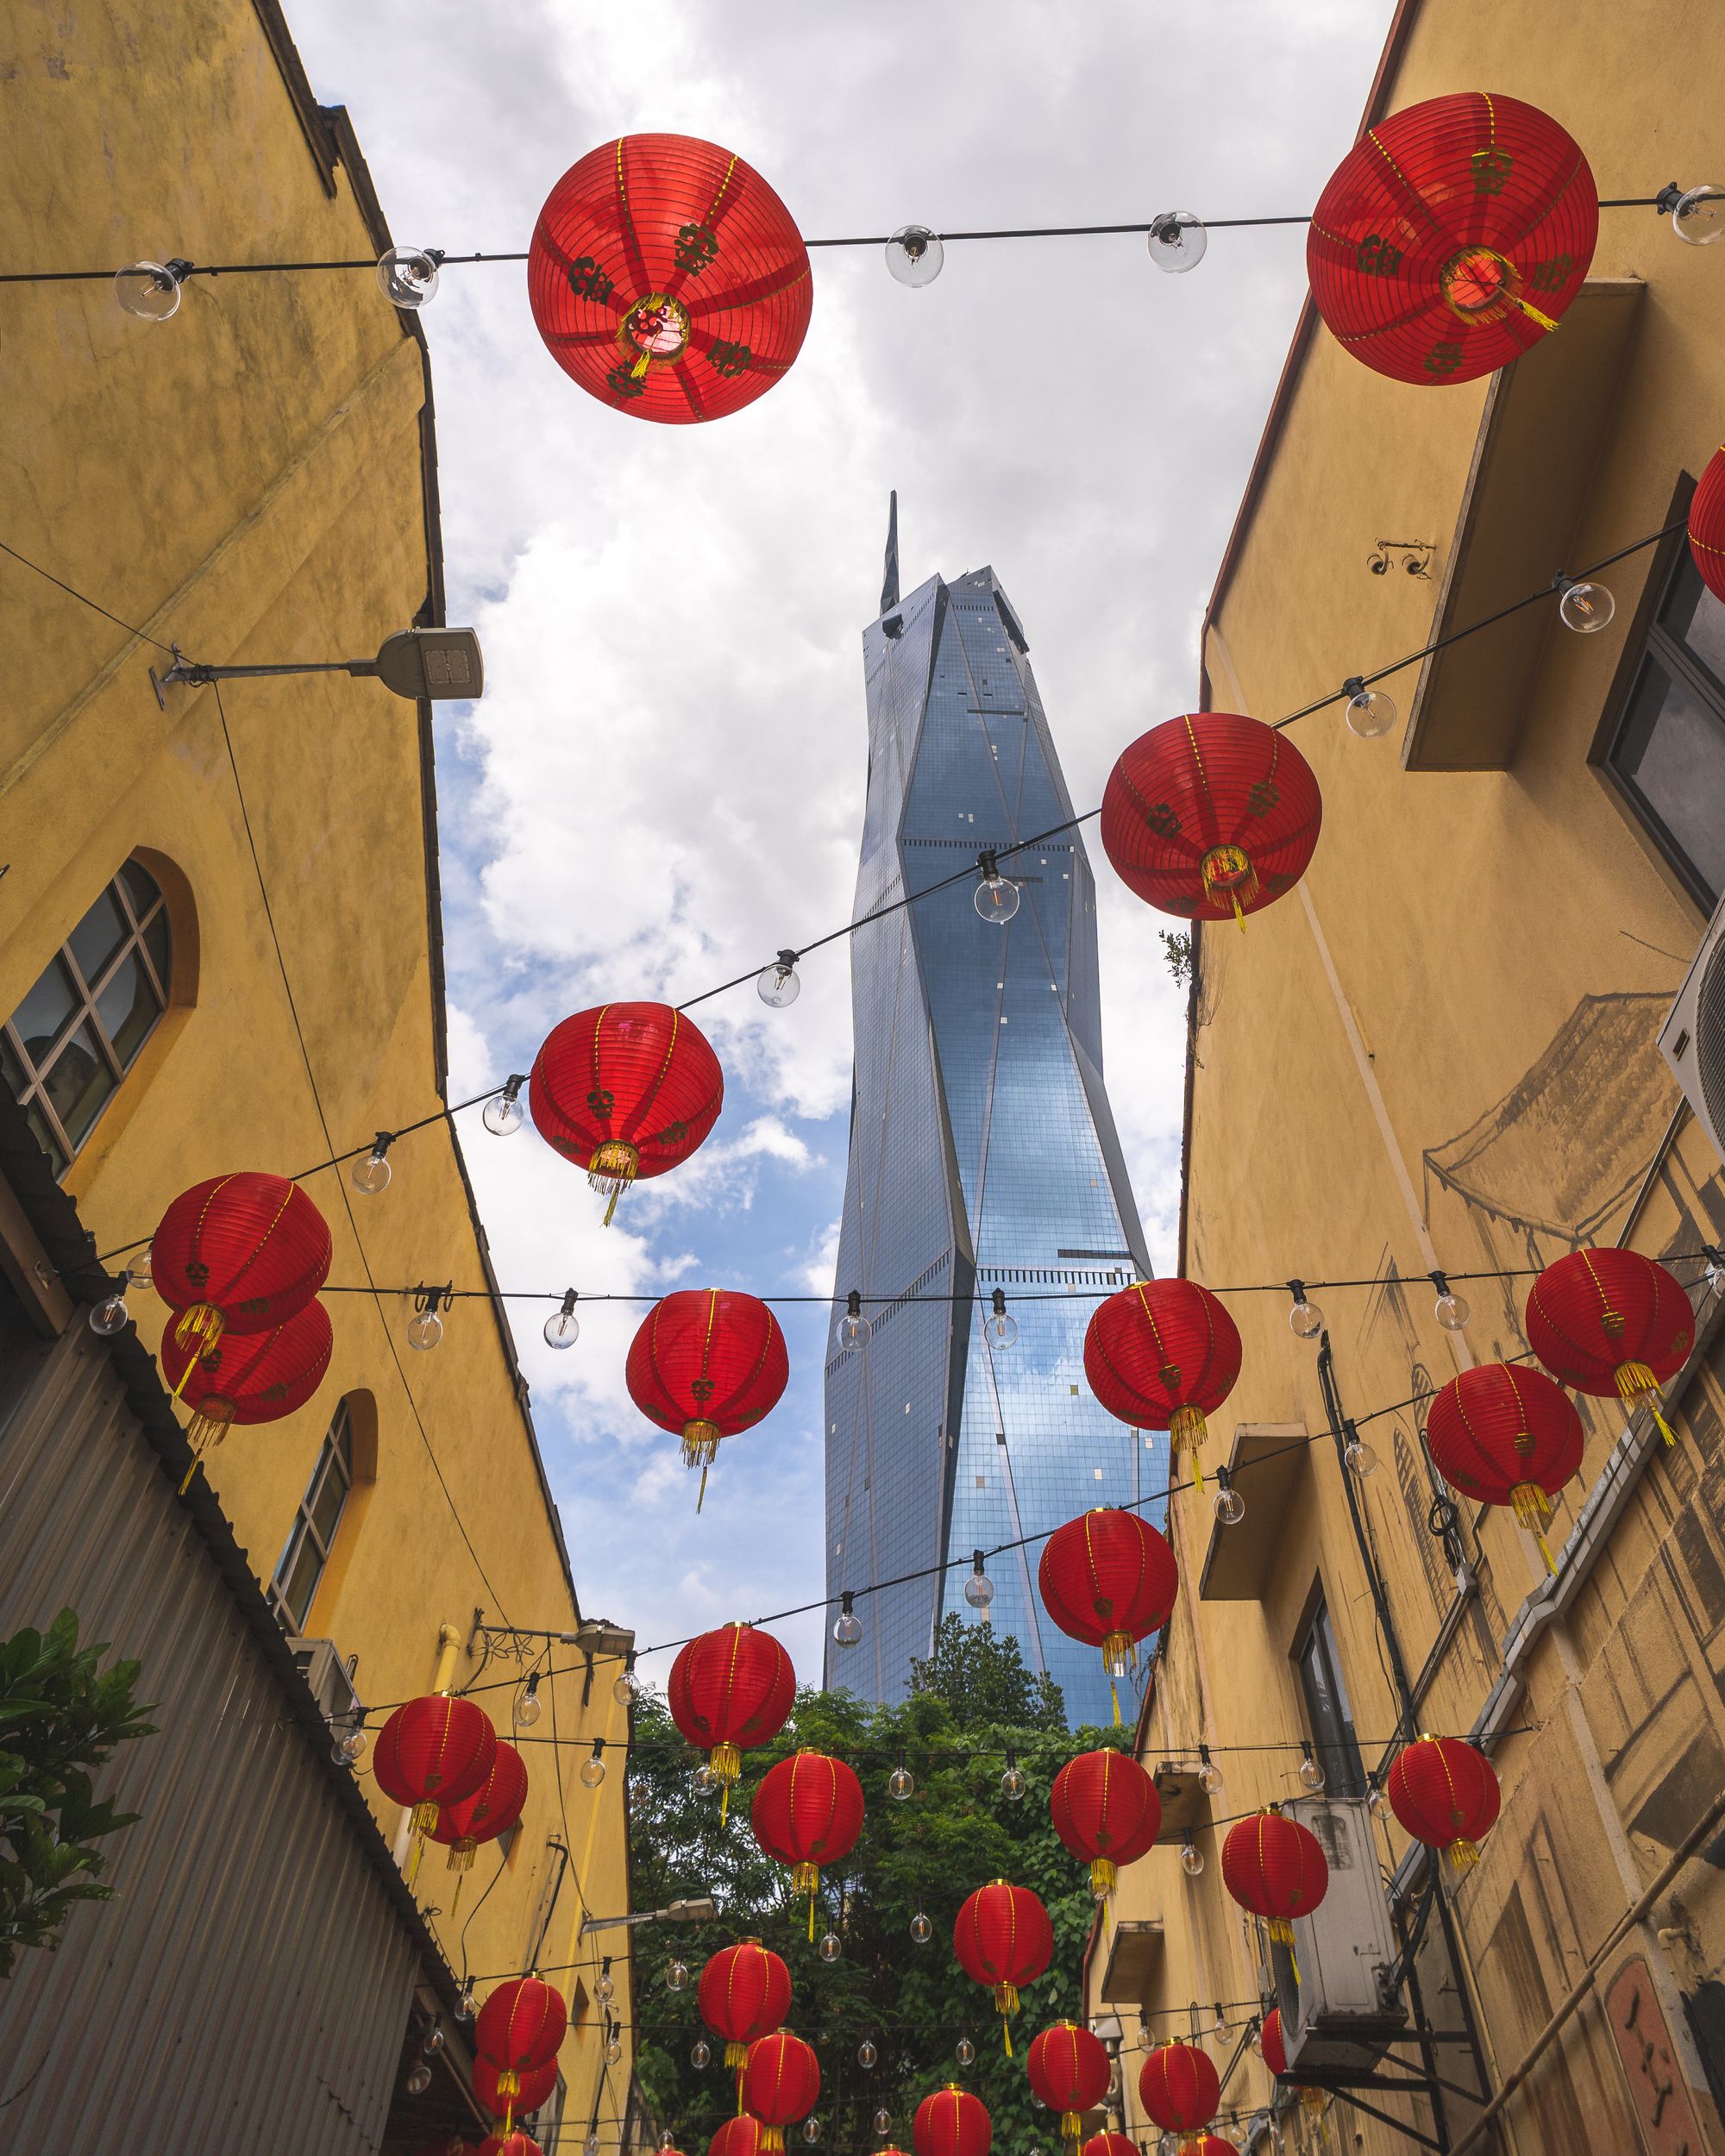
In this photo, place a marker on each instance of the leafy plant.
(1176, 949)
(60, 1717)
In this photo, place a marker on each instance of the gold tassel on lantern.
(1117, 1652)
(1187, 1430)
(1104, 1877)
(1637, 1387)
(1006, 2004)
(203, 1323)
(612, 1169)
(1462, 1853)
(725, 1762)
(1071, 2127)
(700, 1447)
(1533, 1508)
(1227, 873)
(805, 1880)
(770, 2138)
(210, 1422)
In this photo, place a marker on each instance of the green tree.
(60, 1717)
(956, 1833)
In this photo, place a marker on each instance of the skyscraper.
(984, 1156)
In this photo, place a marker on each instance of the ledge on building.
(1134, 1956)
(1266, 1462)
(1540, 434)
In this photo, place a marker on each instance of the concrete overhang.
(1134, 1955)
(1266, 1462)
(1540, 435)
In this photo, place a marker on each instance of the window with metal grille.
(312, 1535)
(65, 1049)
(1329, 1716)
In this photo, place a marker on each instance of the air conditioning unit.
(1692, 1040)
(330, 1682)
(1335, 2017)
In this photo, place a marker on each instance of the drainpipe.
(448, 1638)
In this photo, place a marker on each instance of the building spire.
(889, 589)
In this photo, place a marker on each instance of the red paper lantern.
(1109, 2145)
(1451, 237)
(448, 2145)
(668, 279)
(625, 1091)
(952, 2122)
(1003, 1938)
(249, 1378)
(538, 2085)
(240, 1253)
(1179, 2087)
(744, 1992)
(807, 1812)
(433, 1752)
(1106, 1810)
(520, 2029)
(1108, 1578)
(1211, 814)
(1707, 525)
(1611, 1321)
(1277, 1869)
(1504, 1434)
(511, 2143)
(1162, 1355)
(730, 1690)
(491, 1810)
(707, 1363)
(1444, 1793)
(1274, 2049)
(740, 2137)
(780, 2083)
(1069, 2070)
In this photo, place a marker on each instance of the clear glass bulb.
(901, 1784)
(921, 1929)
(149, 290)
(1378, 1804)
(1306, 1320)
(613, 2051)
(1177, 241)
(1002, 1329)
(140, 1269)
(1699, 217)
(1369, 714)
(915, 255)
(700, 2053)
(502, 1114)
(371, 1173)
(1453, 1311)
(347, 1746)
(407, 276)
(866, 2056)
(424, 1330)
(966, 2052)
(883, 2121)
(623, 1689)
(528, 1710)
(777, 985)
(1191, 1859)
(590, 2147)
(465, 2008)
(1230, 1507)
(831, 1947)
(109, 1315)
(706, 1780)
(419, 2080)
(850, 1331)
(562, 1329)
(604, 1988)
(997, 899)
(1586, 608)
(1360, 1457)
(1014, 1785)
(979, 1590)
(593, 1772)
(1210, 1778)
(810, 2128)
(1311, 1774)
(847, 1627)
(677, 1975)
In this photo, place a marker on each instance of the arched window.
(312, 1535)
(65, 1049)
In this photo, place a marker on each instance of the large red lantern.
(1611, 1321)
(1108, 1578)
(1179, 2087)
(1707, 525)
(625, 1091)
(740, 2137)
(240, 1253)
(1106, 1810)
(1109, 2145)
(744, 1992)
(807, 1812)
(491, 1810)
(1003, 1938)
(1069, 2070)
(514, 2143)
(780, 2083)
(1162, 1355)
(1273, 2048)
(668, 279)
(1445, 1794)
(1504, 1434)
(249, 1378)
(1277, 1869)
(520, 2029)
(1451, 237)
(538, 2085)
(708, 1362)
(432, 1751)
(1210, 815)
(952, 2122)
(730, 1690)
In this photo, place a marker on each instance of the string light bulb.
(677, 1975)
(1227, 1504)
(965, 2052)
(1001, 1327)
(1012, 1783)
(1176, 241)
(563, 1327)
(139, 1268)
(503, 1115)
(1305, 1320)
(1450, 1309)
(465, 2008)
(111, 1314)
(831, 1947)
(1311, 1773)
(1191, 1857)
(529, 1706)
(700, 2053)
(900, 1782)
(613, 2051)
(1209, 1774)
(921, 1929)
(1377, 1803)
(149, 291)
(371, 1175)
(407, 276)
(847, 1626)
(622, 1684)
(852, 1329)
(419, 2080)
(1369, 714)
(996, 896)
(979, 1588)
(605, 1985)
(915, 256)
(592, 1767)
(867, 2057)
(1585, 608)
(1358, 1455)
(348, 1745)
(1712, 1273)
(883, 2121)
(777, 985)
(1697, 214)
(810, 2128)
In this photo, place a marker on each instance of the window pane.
(1672, 750)
(41, 1014)
(12, 1070)
(1692, 614)
(157, 943)
(46, 1138)
(326, 1506)
(97, 937)
(141, 887)
(301, 1583)
(127, 1008)
(78, 1084)
(1326, 1706)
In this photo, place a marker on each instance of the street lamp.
(700, 1912)
(439, 664)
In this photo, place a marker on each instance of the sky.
(662, 783)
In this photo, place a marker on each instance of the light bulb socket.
(533, 1684)
(512, 1085)
(847, 1598)
(571, 1297)
(999, 1302)
(788, 959)
(853, 1303)
(989, 864)
(976, 1563)
(1664, 202)
(1354, 686)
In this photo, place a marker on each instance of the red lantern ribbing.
(513, 2143)
(1609, 1321)
(1451, 237)
(807, 1812)
(781, 2083)
(1273, 2048)
(1179, 2089)
(708, 1362)
(1109, 1579)
(744, 1993)
(520, 2029)
(240, 1253)
(1003, 1938)
(1504, 1434)
(1277, 1869)
(730, 1690)
(1707, 525)
(1106, 1810)
(952, 2122)
(1444, 1793)
(740, 2137)
(1109, 2145)
(625, 1091)
(491, 1810)
(432, 1751)
(1162, 1355)
(538, 2085)
(668, 279)
(1211, 815)
(249, 1378)
(1069, 2069)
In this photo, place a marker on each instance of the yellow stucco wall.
(1435, 968)
(246, 480)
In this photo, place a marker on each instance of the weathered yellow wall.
(1449, 928)
(246, 480)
